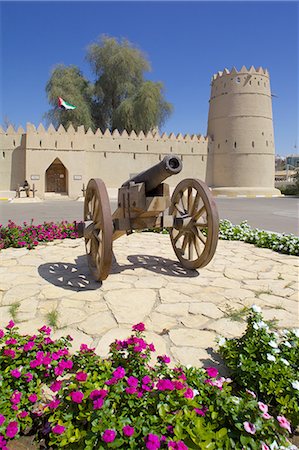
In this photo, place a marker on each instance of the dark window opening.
(71, 144)
(3, 154)
(40, 143)
(94, 146)
(147, 148)
(252, 143)
(218, 145)
(14, 142)
(119, 147)
(267, 143)
(55, 144)
(235, 144)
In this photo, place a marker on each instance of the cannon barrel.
(170, 165)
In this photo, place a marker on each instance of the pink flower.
(32, 398)
(146, 379)
(249, 427)
(264, 446)
(202, 411)
(81, 376)
(58, 429)
(77, 396)
(108, 435)
(9, 352)
(16, 397)
(164, 358)
(128, 431)
(10, 325)
(2, 419)
(23, 414)
(131, 390)
(11, 341)
(266, 416)
(12, 429)
(188, 393)
(98, 403)
(119, 372)
(56, 386)
(111, 381)
(15, 373)
(54, 404)
(1, 333)
(28, 376)
(132, 382)
(251, 393)
(212, 372)
(263, 407)
(152, 442)
(29, 346)
(138, 327)
(163, 385)
(284, 423)
(45, 329)
(152, 347)
(98, 393)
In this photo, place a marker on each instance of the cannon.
(144, 202)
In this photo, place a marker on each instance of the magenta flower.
(264, 446)
(56, 386)
(152, 442)
(1, 333)
(152, 347)
(98, 393)
(138, 327)
(188, 393)
(32, 398)
(29, 346)
(12, 429)
(58, 429)
(45, 329)
(249, 427)
(9, 352)
(202, 411)
(77, 396)
(11, 341)
(131, 390)
(146, 379)
(164, 358)
(251, 393)
(284, 423)
(16, 397)
(212, 372)
(119, 372)
(132, 381)
(128, 431)
(108, 436)
(98, 403)
(2, 419)
(15, 373)
(23, 414)
(81, 376)
(54, 404)
(163, 385)
(10, 325)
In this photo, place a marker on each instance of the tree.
(69, 83)
(120, 97)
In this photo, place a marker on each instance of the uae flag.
(64, 105)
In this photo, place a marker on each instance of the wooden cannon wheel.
(98, 233)
(194, 235)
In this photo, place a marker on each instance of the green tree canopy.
(69, 83)
(120, 97)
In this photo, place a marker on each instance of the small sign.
(34, 177)
(61, 175)
(77, 177)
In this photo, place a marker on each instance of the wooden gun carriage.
(144, 202)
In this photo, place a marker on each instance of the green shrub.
(267, 363)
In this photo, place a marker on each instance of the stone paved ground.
(183, 310)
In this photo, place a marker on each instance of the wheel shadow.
(77, 277)
(156, 264)
(73, 277)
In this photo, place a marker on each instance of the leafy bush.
(266, 363)
(81, 401)
(29, 236)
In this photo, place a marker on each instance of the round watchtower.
(241, 152)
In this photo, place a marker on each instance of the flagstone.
(208, 309)
(97, 324)
(228, 328)
(196, 357)
(238, 274)
(194, 321)
(130, 306)
(120, 333)
(192, 338)
(173, 309)
(67, 316)
(78, 337)
(18, 293)
(160, 322)
(285, 319)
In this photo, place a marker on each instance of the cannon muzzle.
(153, 177)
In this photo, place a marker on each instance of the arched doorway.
(56, 177)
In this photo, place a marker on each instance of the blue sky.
(185, 42)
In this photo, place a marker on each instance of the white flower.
(296, 332)
(256, 308)
(274, 445)
(270, 357)
(285, 361)
(287, 344)
(273, 344)
(235, 399)
(276, 350)
(295, 385)
(221, 341)
(195, 392)
(260, 324)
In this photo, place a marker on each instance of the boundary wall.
(113, 157)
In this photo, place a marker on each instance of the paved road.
(273, 214)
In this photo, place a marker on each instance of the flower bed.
(30, 236)
(81, 401)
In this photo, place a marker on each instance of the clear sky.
(185, 42)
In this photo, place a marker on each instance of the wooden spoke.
(196, 241)
(98, 234)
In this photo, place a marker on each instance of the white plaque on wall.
(77, 177)
(34, 177)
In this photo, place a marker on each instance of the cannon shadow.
(76, 277)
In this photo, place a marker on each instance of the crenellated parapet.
(80, 140)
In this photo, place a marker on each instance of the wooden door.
(56, 178)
